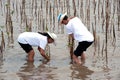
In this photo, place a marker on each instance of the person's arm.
(42, 52)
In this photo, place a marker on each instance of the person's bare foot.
(76, 60)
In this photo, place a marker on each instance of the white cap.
(53, 36)
(61, 16)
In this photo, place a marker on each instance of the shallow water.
(13, 65)
(98, 66)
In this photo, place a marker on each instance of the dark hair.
(45, 34)
(65, 18)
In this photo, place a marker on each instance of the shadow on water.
(30, 72)
(80, 72)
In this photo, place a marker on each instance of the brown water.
(98, 66)
(13, 65)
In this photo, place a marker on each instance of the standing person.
(38, 39)
(78, 31)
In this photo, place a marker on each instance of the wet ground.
(13, 65)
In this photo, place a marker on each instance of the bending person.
(78, 31)
(37, 39)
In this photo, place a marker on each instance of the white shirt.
(33, 39)
(78, 29)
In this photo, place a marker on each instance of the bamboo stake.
(50, 13)
(118, 10)
(2, 46)
(95, 38)
(35, 8)
(1, 6)
(16, 10)
(23, 11)
(81, 10)
(107, 25)
(88, 15)
(114, 35)
(53, 20)
(99, 9)
(114, 38)
(9, 25)
(71, 40)
(68, 5)
(103, 48)
(32, 7)
(98, 38)
(94, 6)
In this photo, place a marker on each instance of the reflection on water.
(1, 64)
(80, 72)
(30, 72)
(1, 60)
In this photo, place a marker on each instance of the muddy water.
(98, 66)
(13, 65)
